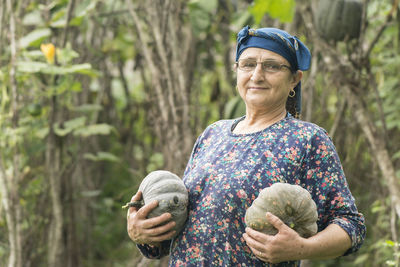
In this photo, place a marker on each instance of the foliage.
(103, 124)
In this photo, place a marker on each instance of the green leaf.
(101, 156)
(33, 18)
(396, 155)
(66, 55)
(390, 263)
(86, 108)
(34, 37)
(209, 6)
(234, 108)
(84, 7)
(31, 66)
(95, 129)
(361, 259)
(69, 126)
(36, 67)
(200, 14)
(278, 9)
(390, 243)
(42, 133)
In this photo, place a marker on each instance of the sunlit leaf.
(33, 18)
(87, 108)
(200, 14)
(66, 55)
(31, 66)
(95, 129)
(69, 126)
(34, 37)
(361, 259)
(390, 243)
(102, 156)
(278, 9)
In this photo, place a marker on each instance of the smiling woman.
(234, 160)
(264, 87)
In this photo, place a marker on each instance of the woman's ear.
(297, 77)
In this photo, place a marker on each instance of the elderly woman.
(233, 160)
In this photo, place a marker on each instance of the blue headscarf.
(280, 42)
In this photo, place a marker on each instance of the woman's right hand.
(148, 231)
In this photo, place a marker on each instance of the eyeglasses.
(269, 66)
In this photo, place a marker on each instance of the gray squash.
(339, 19)
(291, 203)
(171, 193)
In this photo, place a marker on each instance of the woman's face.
(261, 90)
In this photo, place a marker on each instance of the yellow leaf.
(49, 51)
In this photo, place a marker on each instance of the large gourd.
(171, 193)
(291, 203)
(339, 20)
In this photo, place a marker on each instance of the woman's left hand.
(286, 245)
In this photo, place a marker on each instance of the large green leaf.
(34, 38)
(200, 14)
(69, 126)
(33, 18)
(36, 67)
(95, 129)
(277, 9)
(102, 156)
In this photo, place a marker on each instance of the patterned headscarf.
(280, 42)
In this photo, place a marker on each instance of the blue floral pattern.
(227, 171)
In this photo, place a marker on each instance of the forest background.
(129, 85)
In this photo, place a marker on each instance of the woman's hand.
(148, 231)
(286, 245)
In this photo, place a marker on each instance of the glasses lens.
(247, 65)
(269, 66)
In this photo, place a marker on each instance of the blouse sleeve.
(152, 252)
(326, 181)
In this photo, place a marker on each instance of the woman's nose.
(258, 74)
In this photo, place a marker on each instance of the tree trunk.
(167, 46)
(10, 183)
(55, 242)
(8, 201)
(378, 148)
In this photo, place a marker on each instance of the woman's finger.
(275, 221)
(156, 231)
(256, 235)
(144, 211)
(160, 238)
(253, 243)
(156, 221)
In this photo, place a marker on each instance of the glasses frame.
(281, 66)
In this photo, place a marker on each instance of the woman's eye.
(269, 66)
(249, 64)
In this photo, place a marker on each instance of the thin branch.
(338, 117)
(13, 61)
(71, 5)
(147, 54)
(2, 16)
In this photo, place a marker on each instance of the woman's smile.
(257, 88)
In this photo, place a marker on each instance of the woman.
(233, 160)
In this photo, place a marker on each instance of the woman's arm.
(153, 235)
(287, 245)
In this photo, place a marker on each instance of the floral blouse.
(227, 171)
